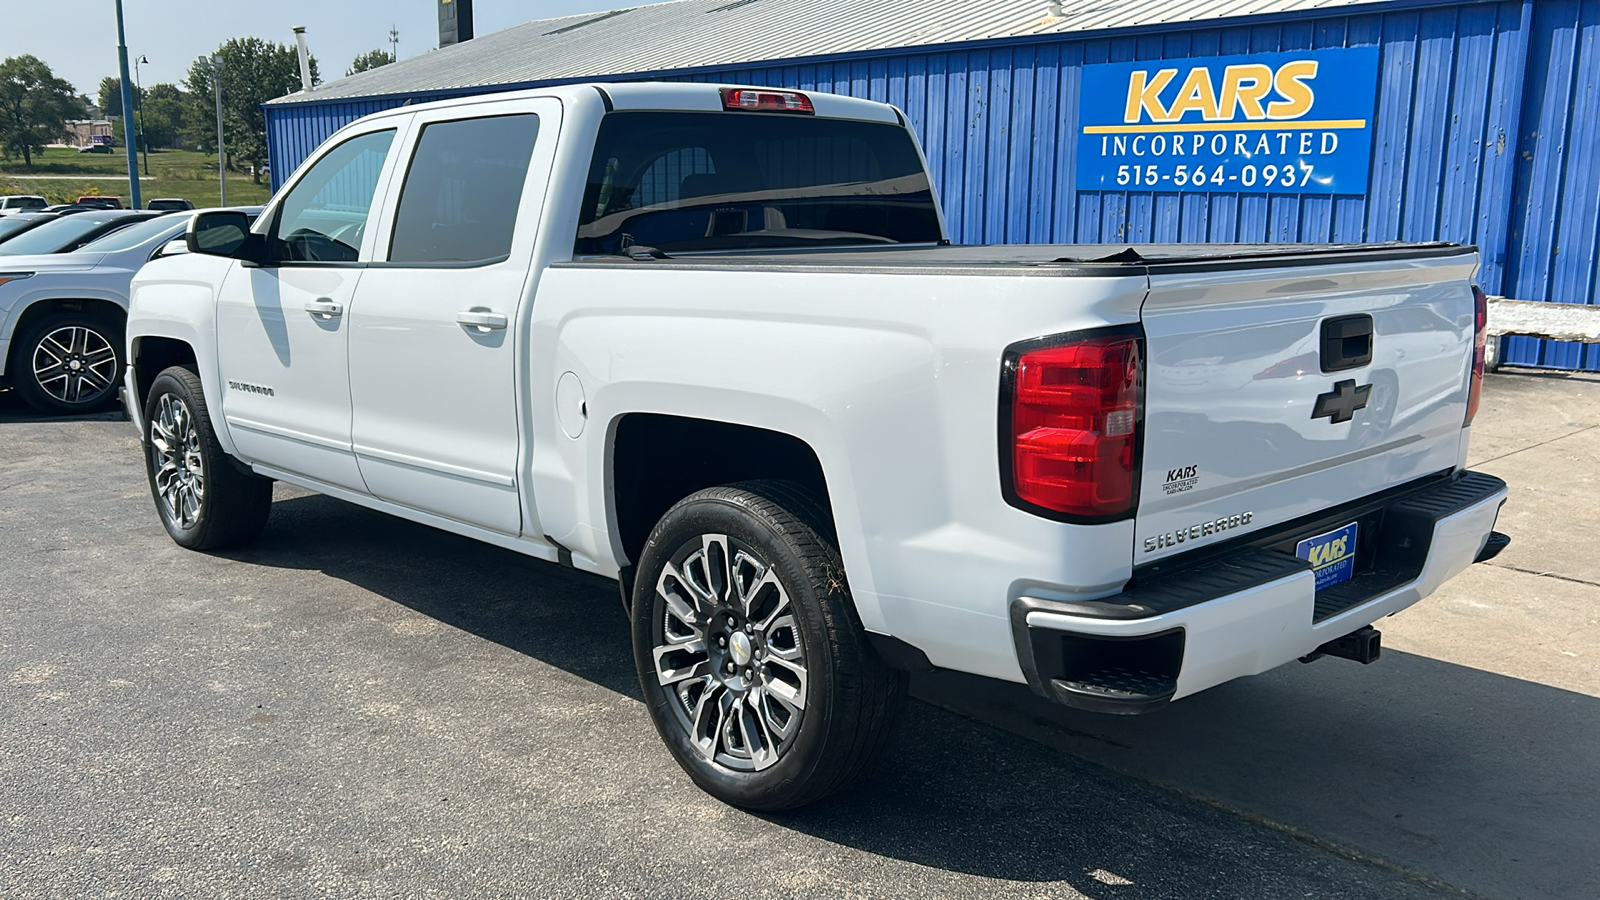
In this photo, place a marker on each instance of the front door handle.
(324, 308)
(482, 318)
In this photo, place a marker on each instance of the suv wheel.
(68, 363)
(750, 654)
(204, 501)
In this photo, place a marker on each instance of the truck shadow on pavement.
(1447, 771)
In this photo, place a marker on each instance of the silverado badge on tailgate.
(1332, 555)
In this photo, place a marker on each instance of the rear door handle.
(479, 318)
(325, 308)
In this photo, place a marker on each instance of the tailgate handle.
(1346, 342)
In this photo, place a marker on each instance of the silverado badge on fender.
(1341, 403)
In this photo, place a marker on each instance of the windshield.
(10, 224)
(134, 235)
(52, 236)
(742, 181)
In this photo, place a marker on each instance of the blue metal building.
(1485, 126)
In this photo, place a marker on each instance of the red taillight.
(753, 100)
(1074, 423)
(1480, 348)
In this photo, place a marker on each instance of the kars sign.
(1282, 123)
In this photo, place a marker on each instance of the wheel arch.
(149, 356)
(653, 460)
(36, 308)
(171, 342)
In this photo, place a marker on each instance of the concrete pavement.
(1469, 753)
(358, 706)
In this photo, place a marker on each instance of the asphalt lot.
(359, 706)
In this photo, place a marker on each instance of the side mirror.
(172, 248)
(219, 233)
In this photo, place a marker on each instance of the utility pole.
(144, 146)
(222, 154)
(394, 43)
(127, 114)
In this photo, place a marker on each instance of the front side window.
(460, 199)
(686, 182)
(325, 214)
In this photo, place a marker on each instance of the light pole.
(222, 155)
(143, 146)
(127, 114)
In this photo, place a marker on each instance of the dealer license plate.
(1332, 555)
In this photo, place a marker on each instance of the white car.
(62, 315)
(713, 342)
(11, 203)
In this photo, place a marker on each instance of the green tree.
(111, 97)
(253, 72)
(163, 115)
(369, 60)
(34, 107)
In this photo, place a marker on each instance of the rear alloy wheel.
(68, 363)
(728, 648)
(751, 657)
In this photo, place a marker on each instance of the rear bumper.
(1192, 627)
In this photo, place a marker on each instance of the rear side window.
(460, 198)
(689, 182)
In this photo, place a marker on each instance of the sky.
(78, 38)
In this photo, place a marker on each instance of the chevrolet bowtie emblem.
(1341, 403)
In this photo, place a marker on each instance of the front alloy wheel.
(206, 500)
(75, 365)
(728, 649)
(67, 362)
(180, 481)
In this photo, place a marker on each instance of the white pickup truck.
(713, 342)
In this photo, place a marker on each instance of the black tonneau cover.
(1033, 259)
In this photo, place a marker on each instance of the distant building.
(82, 132)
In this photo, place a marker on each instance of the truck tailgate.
(1236, 364)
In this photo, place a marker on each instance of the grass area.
(174, 173)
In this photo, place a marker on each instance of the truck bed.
(1038, 259)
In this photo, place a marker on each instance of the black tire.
(230, 506)
(81, 357)
(849, 698)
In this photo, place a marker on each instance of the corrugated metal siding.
(291, 136)
(694, 34)
(1554, 245)
(1487, 132)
